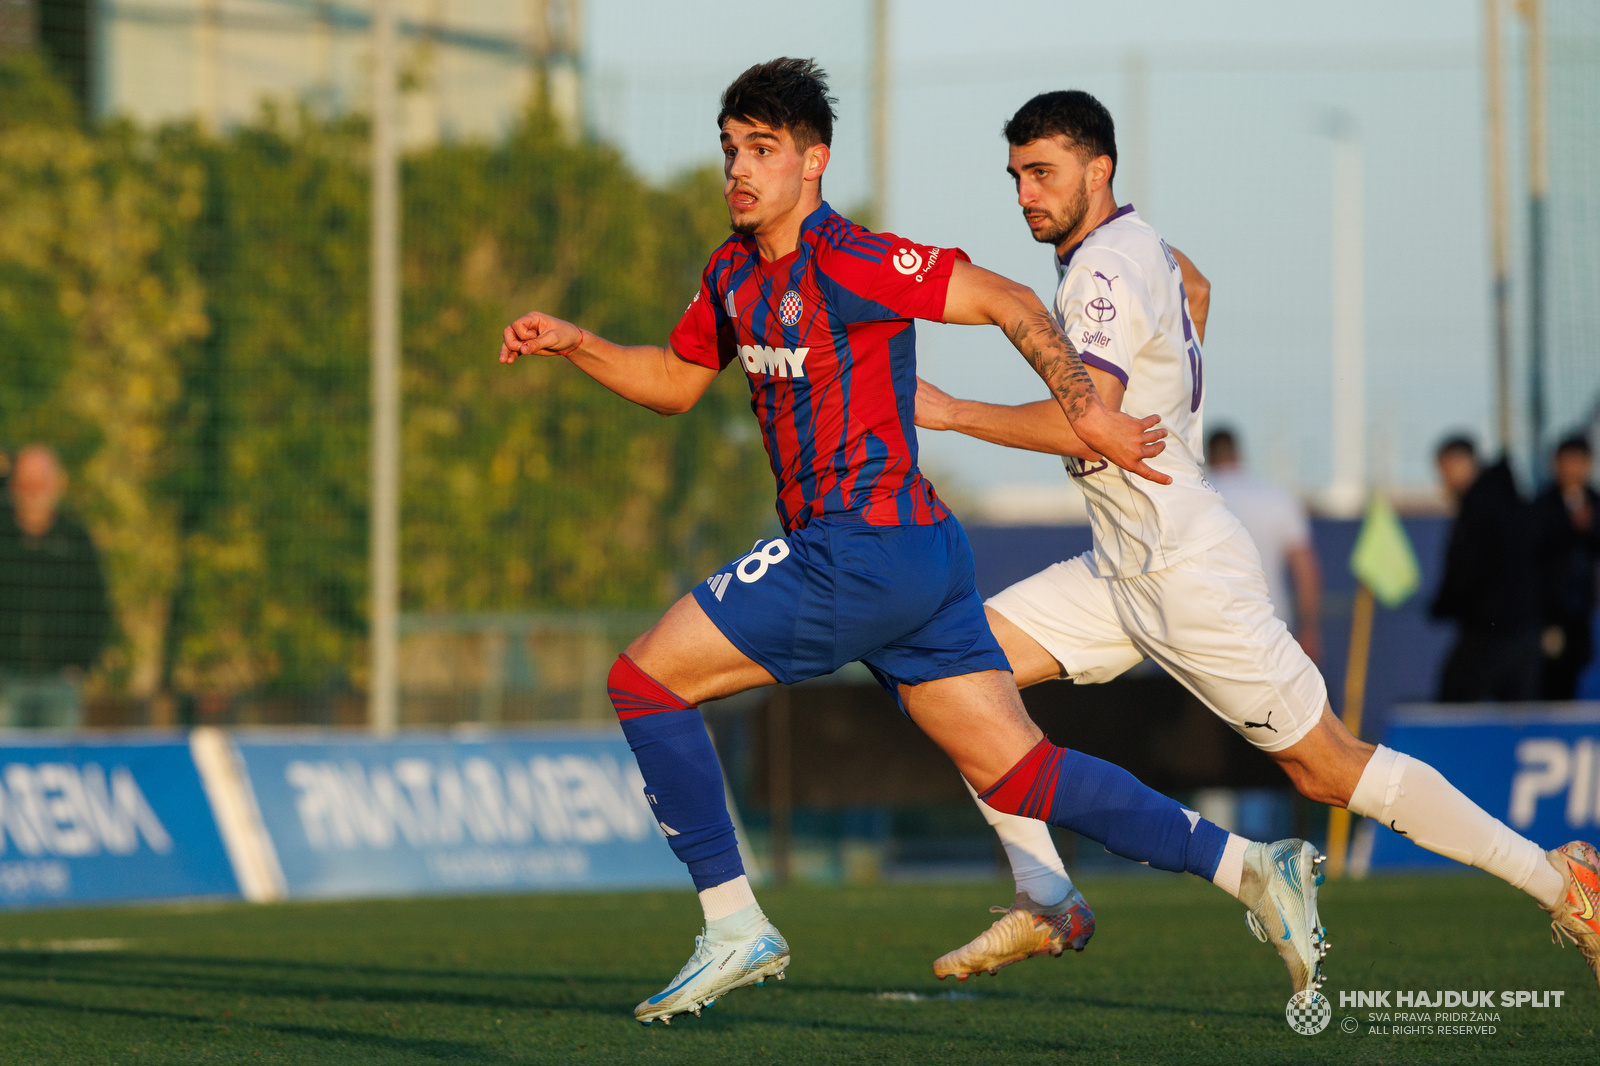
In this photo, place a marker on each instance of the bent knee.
(1330, 781)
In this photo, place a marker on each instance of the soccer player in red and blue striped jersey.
(826, 335)
(872, 566)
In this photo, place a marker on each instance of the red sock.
(1028, 787)
(634, 692)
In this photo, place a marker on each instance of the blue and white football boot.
(1280, 887)
(749, 956)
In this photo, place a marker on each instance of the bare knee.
(1326, 763)
(1322, 783)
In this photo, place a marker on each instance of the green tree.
(185, 315)
(93, 314)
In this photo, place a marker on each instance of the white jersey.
(1121, 303)
(1275, 520)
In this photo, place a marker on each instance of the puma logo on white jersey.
(784, 362)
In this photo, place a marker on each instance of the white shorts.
(1207, 620)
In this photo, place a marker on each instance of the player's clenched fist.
(536, 333)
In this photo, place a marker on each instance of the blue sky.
(1237, 174)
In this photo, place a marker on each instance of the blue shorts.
(900, 599)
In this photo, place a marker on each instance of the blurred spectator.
(1490, 583)
(54, 616)
(1568, 514)
(1277, 522)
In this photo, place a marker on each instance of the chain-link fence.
(184, 385)
(1572, 391)
(184, 227)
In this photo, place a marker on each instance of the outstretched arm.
(979, 297)
(1036, 427)
(649, 376)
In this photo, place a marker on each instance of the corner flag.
(1383, 560)
(1386, 569)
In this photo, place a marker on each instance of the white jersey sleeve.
(1102, 309)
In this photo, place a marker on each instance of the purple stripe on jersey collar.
(1090, 359)
(1066, 260)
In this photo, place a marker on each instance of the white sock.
(719, 901)
(1230, 871)
(1035, 863)
(1412, 798)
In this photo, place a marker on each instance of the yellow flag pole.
(1355, 691)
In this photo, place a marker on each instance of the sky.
(1231, 159)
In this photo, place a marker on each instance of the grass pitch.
(1172, 976)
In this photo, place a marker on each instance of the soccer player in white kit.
(1173, 575)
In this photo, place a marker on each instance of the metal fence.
(185, 224)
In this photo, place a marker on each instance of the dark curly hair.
(1072, 114)
(786, 94)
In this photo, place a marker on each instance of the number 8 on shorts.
(753, 567)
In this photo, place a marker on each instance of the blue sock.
(1106, 803)
(683, 780)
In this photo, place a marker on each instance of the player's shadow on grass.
(432, 1048)
(232, 977)
(1065, 998)
(600, 996)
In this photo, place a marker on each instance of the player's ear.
(816, 161)
(1099, 172)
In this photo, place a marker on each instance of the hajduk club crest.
(789, 309)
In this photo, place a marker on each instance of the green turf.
(1171, 977)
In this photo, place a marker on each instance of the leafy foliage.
(185, 317)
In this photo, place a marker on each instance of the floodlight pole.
(1499, 226)
(383, 703)
(208, 32)
(1134, 130)
(1532, 12)
(1347, 493)
(880, 113)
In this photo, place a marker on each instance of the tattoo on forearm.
(1055, 359)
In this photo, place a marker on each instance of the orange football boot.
(1577, 913)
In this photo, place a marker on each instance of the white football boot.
(1280, 887)
(718, 967)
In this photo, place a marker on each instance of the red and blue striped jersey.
(826, 338)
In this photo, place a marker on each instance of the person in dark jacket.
(1490, 584)
(54, 613)
(1568, 515)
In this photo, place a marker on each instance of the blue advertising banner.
(439, 813)
(103, 819)
(1536, 767)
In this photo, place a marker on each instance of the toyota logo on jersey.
(1101, 309)
(789, 309)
